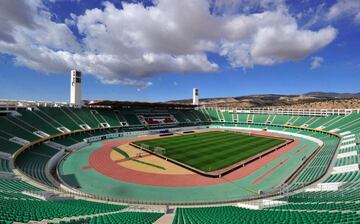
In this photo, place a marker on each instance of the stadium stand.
(13, 129)
(213, 114)
(6, 145)
(18, 207)
(318, 166)
(59, 118)
(338, 206)
(109, 116)
(33, 162)
(344, 177)
(36, 120)
(122, 217)
(5, 165)
(24, 209)
(231, 214)
(131, 118)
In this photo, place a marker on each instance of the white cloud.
(127, 46)
(270, 37)
(175, 83)
(345, 8)
(316, 62)
(11, 19)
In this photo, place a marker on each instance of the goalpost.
(160, 150)
(157, 150)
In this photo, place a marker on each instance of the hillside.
(307, 100)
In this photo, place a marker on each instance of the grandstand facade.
(41, 144)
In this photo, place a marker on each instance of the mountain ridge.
(310, 99)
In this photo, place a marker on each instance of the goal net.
(160, 150)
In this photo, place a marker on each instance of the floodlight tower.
(75, 89)
(195, 96)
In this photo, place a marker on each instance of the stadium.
(130, 162)
(142, 157)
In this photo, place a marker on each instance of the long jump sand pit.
(151, 170)
(145, 162)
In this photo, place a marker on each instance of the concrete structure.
(75, 88)
(195, 96)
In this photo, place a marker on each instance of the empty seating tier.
(229, 214)
(302, 207)
(33, 162)
(26, 209)
(121, 218)
(5, 165)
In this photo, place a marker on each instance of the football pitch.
(214, 150)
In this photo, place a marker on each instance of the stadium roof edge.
(134, 104)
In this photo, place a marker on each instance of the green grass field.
(211, 151)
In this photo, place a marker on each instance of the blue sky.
(330, 29)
